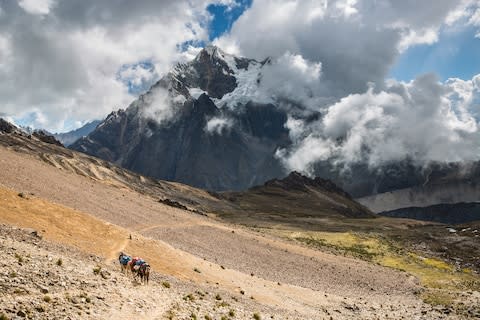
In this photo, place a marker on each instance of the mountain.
(6, 127)
(67, 138)
(445, 213)
(290, 200)
(177, 130)
(197, 125)
(41, 135)
(300, 197)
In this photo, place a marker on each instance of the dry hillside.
(86, 213)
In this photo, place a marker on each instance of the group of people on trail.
(137, 266)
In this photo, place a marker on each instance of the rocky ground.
(43, 280)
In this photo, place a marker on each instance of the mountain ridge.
(208, 133)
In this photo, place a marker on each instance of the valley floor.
(213, 268)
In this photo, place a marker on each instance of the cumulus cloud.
(349, 46)
(218, 125)
(292, 78)
(423, 120)
(356, 41)
(39, 7)
(60, 60)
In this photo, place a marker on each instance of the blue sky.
(455, 55)
(224, 17)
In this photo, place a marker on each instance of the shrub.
(59, 262)
(97, 269)
(231, 313)
(166, 284)
(218, 297)
(224, 304)
(256, 316)
(19, 258)
(189, 297)
(47, 299)
(197, 270)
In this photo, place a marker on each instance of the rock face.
(7, 127)
(46, 137)
(193, 140)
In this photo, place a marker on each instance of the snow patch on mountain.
(247, 84)
(196, 92)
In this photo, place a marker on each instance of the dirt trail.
(120, 247)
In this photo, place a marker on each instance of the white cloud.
(356, 41)
(413, 37)
(475, 18)
(346, 7)
(292, 78)
(423, 120)
(38, 7)
(333, 57)
(65, 65)
(159, 105)
(218, 125)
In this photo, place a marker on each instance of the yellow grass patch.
(440, 278)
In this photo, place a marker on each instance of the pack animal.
(144, 273)
(124, 261)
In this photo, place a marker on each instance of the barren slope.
(285, 275)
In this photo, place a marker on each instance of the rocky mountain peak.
(7, 127)
(212, 52)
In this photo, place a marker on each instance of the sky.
(64, 63)
(454, 55)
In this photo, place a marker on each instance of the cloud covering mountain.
(346, 49)
(325, 64)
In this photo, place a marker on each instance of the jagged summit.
(213, 52)
(224, 77)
